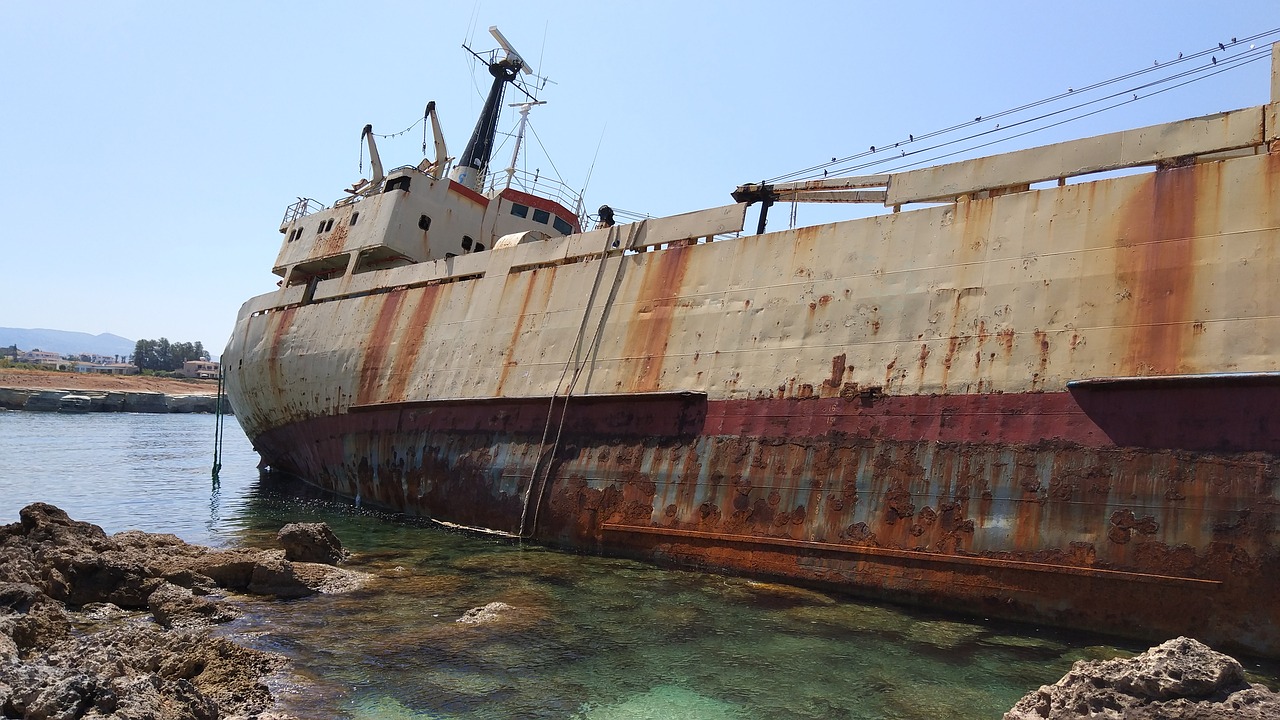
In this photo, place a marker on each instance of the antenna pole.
(524, 120)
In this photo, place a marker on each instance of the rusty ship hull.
(1054, 402)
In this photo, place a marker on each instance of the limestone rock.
(29, 618)
(57, 574)
(277, 576)
(174, 606)
(1181, 679)
(311, 542)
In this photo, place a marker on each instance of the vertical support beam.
(1275, 72)
(1271, 113)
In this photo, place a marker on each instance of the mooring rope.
(218, 416)
(634, 230)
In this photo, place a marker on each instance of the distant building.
(200, 369)
(105, 368)
(117, 369)
(41, 357)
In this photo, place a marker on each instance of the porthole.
(424, 223)
(479, 247)
(466, 242)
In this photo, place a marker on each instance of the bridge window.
(424, 223)
(400, 183)
(564, 227)
(329, 225)
(354, 218)
(320, 228)
(541, 216)
(520, 210)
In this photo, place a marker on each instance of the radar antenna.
(511, 52)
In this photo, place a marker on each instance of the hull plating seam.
(914, 555)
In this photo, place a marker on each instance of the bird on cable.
(1221, 46)
(873, 148)
(1214, 58)
(911, 138)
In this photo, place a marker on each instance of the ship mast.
(474, 161)
(524, 120)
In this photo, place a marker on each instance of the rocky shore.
(1182, 679)
(68, 400)
(95, 625)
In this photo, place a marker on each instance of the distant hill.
(65, 342)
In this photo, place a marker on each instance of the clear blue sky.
(148, 149)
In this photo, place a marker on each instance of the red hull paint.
(1021, 506)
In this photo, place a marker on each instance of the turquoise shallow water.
(585, 637)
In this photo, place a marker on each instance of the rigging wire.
(591, 170)
(817, 170)
(554, 169)
(1204, 71)
(1071, 119)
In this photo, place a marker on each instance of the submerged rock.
(97, 625)
(486, 614)
(1181, 679)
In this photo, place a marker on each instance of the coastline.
(96, 625)
(36, 390)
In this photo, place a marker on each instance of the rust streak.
(406, 356)
(648, 335)
(281, 323)
(837, 371)
(374, 357)
(1158, 271)
(531, 281)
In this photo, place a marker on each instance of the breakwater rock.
(95, 625)
(60, 400)
(1182, 679)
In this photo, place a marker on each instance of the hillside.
(65, 342)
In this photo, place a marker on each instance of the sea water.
(581, 636)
